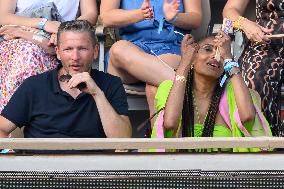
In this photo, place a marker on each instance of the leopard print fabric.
(262, 64)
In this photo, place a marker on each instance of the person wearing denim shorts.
(151, 33)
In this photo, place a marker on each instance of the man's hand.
(189, 49)
(170, 9)
(147, 11)
(84, 77)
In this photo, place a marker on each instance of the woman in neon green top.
(197, 104)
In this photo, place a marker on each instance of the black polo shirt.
(48, 112)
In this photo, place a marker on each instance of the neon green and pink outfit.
(229, 112)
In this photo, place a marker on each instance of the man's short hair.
(77, 26)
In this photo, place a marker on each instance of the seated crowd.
(48, 85)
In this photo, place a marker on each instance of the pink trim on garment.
(160, 129)
(224, 109)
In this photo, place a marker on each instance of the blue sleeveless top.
(148, 30)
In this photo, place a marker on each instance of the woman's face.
(205, 63)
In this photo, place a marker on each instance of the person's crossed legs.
(132, 64)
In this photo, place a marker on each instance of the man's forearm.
(3, 134)
(114, 125)
(6, 127)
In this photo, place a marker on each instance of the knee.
(118, 53)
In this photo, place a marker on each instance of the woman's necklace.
(197, 110)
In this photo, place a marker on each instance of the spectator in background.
(262, 59)
(151, 33)
(27, 46)
(72, 100)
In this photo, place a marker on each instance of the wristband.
(229, 64)
(42, 23)
(226, 61)
(37, 38)
(43, 34)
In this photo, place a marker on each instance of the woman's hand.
(12, 32)
(189, 49)
(171, 9)
(51, 26)
(146, 10)
(223, 43)
(255, 32)
(53, 40)
(29, 34)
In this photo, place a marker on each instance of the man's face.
(76, 51)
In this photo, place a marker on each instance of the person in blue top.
(151, 33)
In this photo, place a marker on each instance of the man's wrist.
(93, 91)
(98, 93)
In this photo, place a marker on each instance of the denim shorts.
(154, 48)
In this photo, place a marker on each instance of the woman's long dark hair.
(188, 109)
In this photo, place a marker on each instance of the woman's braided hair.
(188, 110)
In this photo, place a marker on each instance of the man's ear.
(96, 51)
(57, 53)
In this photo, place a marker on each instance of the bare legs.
(132, 64)
(150, 95)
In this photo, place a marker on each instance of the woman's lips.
(214, 63)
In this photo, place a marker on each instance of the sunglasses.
(67, 77)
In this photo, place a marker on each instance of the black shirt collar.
(54, 80)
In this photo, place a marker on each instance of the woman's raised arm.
(113, 16)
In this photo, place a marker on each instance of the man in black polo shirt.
(72, 100)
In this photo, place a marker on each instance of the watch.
(233, 71)
(42, 23)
